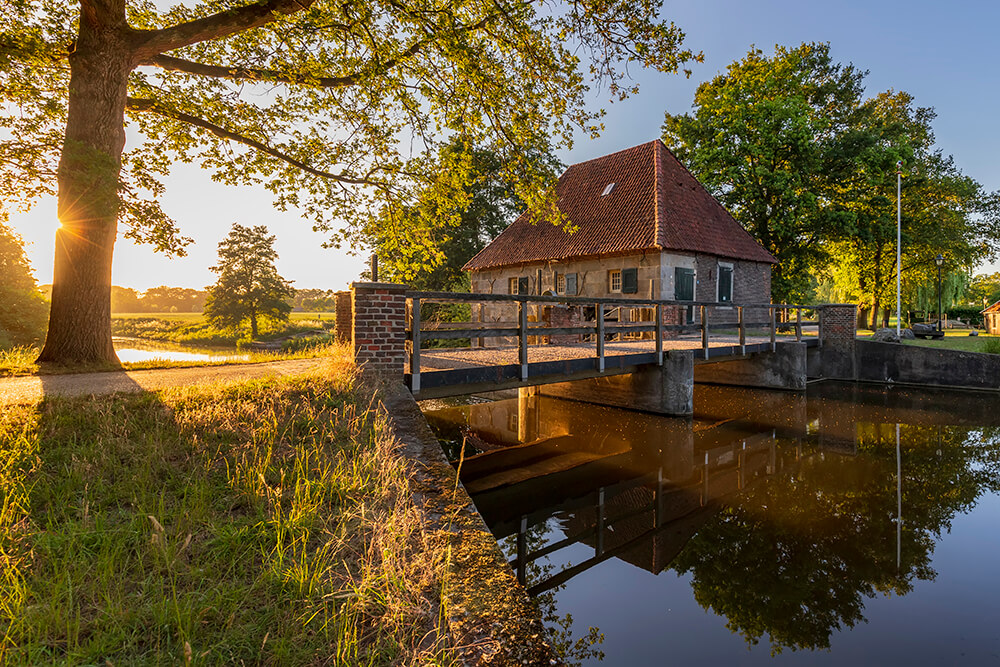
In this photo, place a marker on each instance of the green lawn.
(957, 340)
(264, 523)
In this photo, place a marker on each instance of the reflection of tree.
(572, 651)
(797, 556)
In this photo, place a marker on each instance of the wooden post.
(798, 325)
(743, 330)
(774, 327)
(600, 338)
(704, 331)
(415, 346)
(659, 334)
(522, 337)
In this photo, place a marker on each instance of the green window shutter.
(630, 281)
(683, 284)
(570, 284)
(725, 284)
(522, 285)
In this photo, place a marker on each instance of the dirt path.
(33, 388)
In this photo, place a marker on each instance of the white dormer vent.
(608, 189)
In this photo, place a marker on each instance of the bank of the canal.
(771, 527)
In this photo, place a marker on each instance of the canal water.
(850, 525)
(137, 349)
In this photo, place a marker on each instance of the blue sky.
(943, 54)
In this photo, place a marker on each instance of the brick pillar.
(379, 326)
(838, 338)
(342, 329)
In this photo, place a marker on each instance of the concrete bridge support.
(785, 368)
(665, 390)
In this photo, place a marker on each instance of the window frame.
(728, 266)
(512, 285)
(560, 283)
(613, 275)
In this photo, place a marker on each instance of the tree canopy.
(468, 203)
(337, 108)
(249, 287)
(22, 308)
(790, 144)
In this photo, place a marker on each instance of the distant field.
(196, 317)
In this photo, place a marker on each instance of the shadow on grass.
(223, 524)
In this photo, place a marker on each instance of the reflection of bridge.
(636, 486)
(639, 353)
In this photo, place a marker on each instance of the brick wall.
(342, 329)
(564, 316)
(379, 331)
(837, 324)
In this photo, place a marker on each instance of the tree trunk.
(80, 316)
(876, 310)
(253, 323)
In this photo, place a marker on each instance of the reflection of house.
(645, 228)
(991, 318)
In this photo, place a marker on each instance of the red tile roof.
(656, 204)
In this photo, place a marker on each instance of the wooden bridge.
(643, 354)
(537, 340)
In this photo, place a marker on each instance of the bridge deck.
(457, 371)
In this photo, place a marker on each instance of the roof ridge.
(610, 155)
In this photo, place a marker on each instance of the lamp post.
(899, 238)
(939, 260)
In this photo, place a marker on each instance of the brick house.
(646, 228)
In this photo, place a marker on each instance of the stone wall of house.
(751, 284)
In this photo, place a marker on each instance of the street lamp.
(899, 238)
(939, 260)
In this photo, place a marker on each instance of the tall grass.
(264, 522)
(18, 360)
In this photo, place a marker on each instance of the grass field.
(264, 523)
(959, 340)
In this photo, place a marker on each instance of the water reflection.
(137, 349)
(785, 513)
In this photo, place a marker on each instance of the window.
(571, 284)
(560, 283)
(615, 281)
(512, 285)
(608, 189)
(630, 281)
(522, 285)
(725, 283)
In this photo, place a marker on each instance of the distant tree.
(249, 287)
(772, 138)
(125, 300)
(984, 289)
(22, 308)
(808, 164)
(183, 299)
(470, 201)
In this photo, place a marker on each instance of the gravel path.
(33, 388)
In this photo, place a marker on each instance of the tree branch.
(153, 106)
(216, 26)
(248, 73)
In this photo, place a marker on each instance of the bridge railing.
(649, 318)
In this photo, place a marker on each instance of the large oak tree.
(336, 106)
